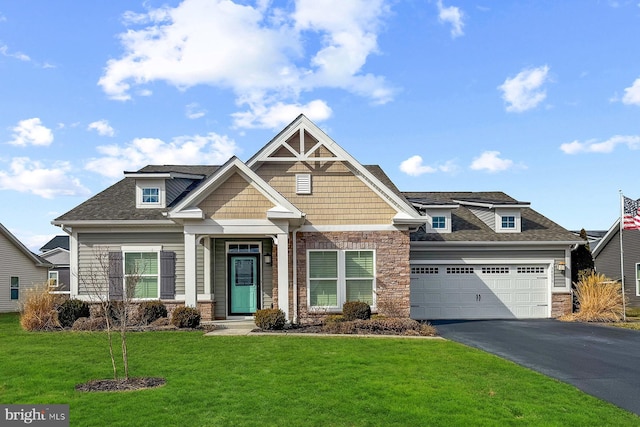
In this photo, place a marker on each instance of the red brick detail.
(561, 304)
(392, 266)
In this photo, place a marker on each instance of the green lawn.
(289, 381)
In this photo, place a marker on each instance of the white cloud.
(491, 162)
(276, 115)
(31, 132)
(102, 127)
(632, 94)
(194, 111)
(184, 150)
(264, 54)
(452, 15)
(31, 176)
(593, 146)
(523, 92)
(414, 166)
(4, 50)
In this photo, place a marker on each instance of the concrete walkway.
(231, 327)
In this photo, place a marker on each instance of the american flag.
(631, 218)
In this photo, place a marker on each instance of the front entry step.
(231, 327)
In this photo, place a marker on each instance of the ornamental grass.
(599, 298)
(39, 309)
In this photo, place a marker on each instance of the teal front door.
(243, 284)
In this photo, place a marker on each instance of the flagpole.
(624, 308)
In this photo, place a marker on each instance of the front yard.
(284, 380)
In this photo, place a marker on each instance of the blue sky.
(539, 99)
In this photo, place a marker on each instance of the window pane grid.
(141, 271)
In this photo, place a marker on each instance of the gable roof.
(467, 227)
(118, 202)
(38, 261)
(61, 241)
(187, 208)
(602, 243)
(322, 148)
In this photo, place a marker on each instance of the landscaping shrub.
(71, 310)
(150, 311)
(599, 299)
(381, 326)
(185, 317)
(89, 324)
(39, 309)
(270, 319)
(352, 310)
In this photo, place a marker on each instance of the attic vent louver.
(303, 183)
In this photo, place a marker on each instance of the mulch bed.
(130, 384)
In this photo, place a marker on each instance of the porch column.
(207, 267)
(190, 288)
(283, 273)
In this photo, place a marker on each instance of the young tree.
(102, 279)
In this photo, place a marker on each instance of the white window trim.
(57, 278)
(637, 280)
(500, 213)
(138, 249)
(342, 279)
(158, 184)
(432, 213)
(11, 288)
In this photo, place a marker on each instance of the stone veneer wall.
(392, 267)
(561, 304)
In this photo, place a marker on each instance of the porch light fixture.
(561, 266)
(267, 259)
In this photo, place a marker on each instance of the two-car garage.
(480, 291)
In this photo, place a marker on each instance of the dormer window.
(439, 222)
(508, 222)
(151, 195)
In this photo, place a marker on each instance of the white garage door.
(479, 291)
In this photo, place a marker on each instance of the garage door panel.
(480, 292)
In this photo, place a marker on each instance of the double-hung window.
(15, 288)
(335, 277)
(141, 274)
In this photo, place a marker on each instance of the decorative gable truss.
(303, 141)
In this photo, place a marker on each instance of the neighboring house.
(593, 236)
(606, 257)
(20, 270)
(303, 226)
(56, 252)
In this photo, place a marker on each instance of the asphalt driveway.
(600, 360)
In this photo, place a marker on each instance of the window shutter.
(167, 275)
(115, 275)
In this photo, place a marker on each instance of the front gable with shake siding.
(304, 227)
(301, 226)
